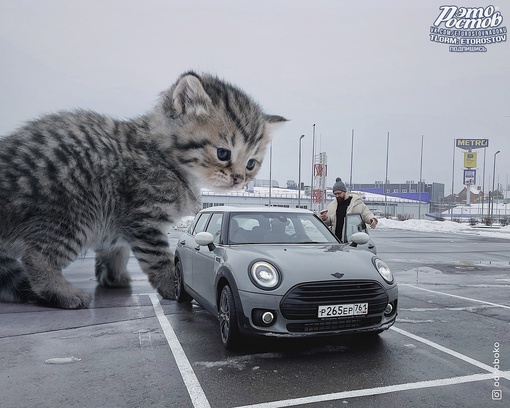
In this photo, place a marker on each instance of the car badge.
(337, 275)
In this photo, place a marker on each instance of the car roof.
(258, 209)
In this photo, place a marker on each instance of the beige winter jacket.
(357, 206)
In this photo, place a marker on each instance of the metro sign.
(469, 144)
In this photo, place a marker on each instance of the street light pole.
(352, 155)
(313, 168)
(299, 173)
(483, 181)
(270, 171)
(419, 182)
(452, 201)
(493, 179)
(386, 175)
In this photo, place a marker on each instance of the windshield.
(277, 228)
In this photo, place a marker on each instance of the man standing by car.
(345, 203)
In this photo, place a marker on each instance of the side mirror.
(205, 239)
(360, 238)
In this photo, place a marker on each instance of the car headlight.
(383, 269)
(264, 275)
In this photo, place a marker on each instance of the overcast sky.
(342, 65)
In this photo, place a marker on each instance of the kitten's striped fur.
(78, 180)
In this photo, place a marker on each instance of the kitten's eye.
(251, 164)
(223, 154)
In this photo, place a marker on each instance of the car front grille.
(334, 324)
(302, 301)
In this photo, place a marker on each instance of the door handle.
(197, 248)
(183, 242)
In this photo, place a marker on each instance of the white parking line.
(401, 387)
(448, 351)
(199, 399)
(455, 296)
(372, 391)
(195, 390)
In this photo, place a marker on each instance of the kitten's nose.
(237, 179)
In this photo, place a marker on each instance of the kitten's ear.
(189, 97)
(275, 119)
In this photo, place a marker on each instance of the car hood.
(301, 263)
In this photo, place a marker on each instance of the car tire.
(227, 315)
(180, 293)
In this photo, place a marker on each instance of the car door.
(354, 223)
(205, 262)
(187, 246)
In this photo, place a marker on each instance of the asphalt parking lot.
(450, 346)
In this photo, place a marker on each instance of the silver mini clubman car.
(281, 272)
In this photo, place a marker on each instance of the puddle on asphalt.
(62, 360)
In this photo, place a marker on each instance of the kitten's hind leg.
(46, 279)
(111, 267)
(150, 247)
(14, 283)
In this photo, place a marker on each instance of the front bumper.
(309, 327)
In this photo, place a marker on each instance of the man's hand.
(373, 223)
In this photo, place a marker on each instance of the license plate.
(354, 309)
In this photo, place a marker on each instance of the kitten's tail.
(14, 282)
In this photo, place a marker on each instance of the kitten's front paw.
(74, 299)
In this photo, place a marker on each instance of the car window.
(214, 226)
(191, 226)
(238, 229)
(290, 228)
(201, 223)
(281, 230)
(267, 228)
(247, 223)
(312, 231)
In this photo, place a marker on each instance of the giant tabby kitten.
(77, 180)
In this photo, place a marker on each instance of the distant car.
(281, 272)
